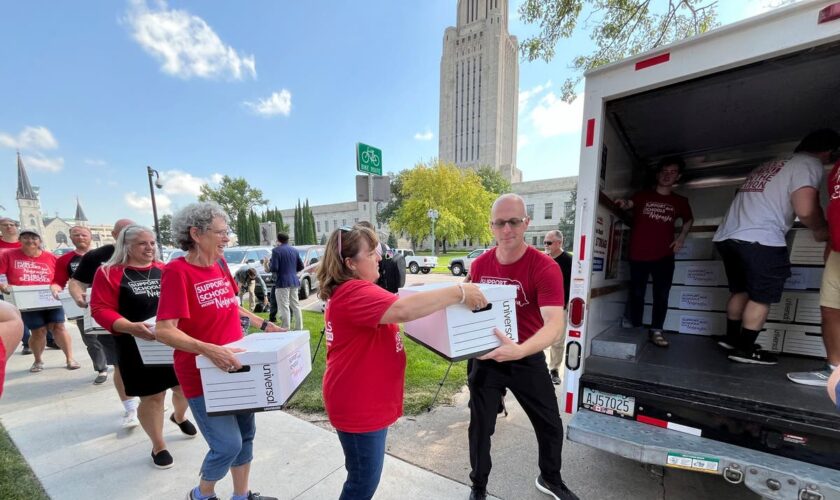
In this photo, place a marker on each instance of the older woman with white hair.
(198, 314)
(124, 299)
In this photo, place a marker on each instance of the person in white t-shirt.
(751, 238)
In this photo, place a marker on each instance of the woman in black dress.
(124, 301)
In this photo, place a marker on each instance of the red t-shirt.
(65, 266)
(21, 270)
(365, 375)
(654, 218)
(5, 245)
(833, 210)
(537, 277)
(203, 300)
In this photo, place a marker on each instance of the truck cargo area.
(723, 125)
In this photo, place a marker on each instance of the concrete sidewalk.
(69, 432)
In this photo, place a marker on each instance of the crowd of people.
(133, 295)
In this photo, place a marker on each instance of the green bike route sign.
(368, 159)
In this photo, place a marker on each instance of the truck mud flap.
(770, 476)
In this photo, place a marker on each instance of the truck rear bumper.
(768, 475)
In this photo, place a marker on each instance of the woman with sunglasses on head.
(124, 301)
(365, 374)
(199, 313)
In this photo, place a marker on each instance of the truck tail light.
(830, 13)
(576, 308)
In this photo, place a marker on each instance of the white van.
(724, 101)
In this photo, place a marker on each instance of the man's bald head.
(120, 225)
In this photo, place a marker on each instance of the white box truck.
(725, 101)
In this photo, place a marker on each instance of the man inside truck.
(653, 245)
(829, 291)
(520, 367)
(751, 238)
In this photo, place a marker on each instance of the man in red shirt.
(652, 244)
(8, 234)
(64, 268)
(26, 266)
(520, 367)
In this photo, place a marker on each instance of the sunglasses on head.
(342, 230)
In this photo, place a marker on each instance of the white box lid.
(492, 292)
(262, 348)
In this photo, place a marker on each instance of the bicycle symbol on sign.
(370, 156)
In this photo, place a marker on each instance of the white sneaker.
(817, 378)
(130, 420)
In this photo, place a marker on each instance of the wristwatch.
(264, 325)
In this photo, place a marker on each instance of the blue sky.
(276, 92)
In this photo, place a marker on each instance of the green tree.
(274, 215)
(323, 239)
(241, 228)
(165, 227)
(567, 223)
(235, 195)
(462, 203)
(619, 28)
(390, 209)
(392, 240)
(298, 223)
(492, 180)
(253, 228)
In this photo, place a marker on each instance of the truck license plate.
(604, 402)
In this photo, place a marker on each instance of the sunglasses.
(342, 230)
(514, 222)
(549, 243)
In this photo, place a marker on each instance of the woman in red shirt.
(124, 301)
(198, 314)
(365, 375)
(27, 266)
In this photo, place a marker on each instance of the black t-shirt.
(90, 263)
(564, 260)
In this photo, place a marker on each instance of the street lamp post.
(157, 183)
(433, 214)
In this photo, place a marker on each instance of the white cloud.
(216, 178)
(144, 203)
(37, 161)
(176, 182)
(522, 141)
(278, 103)
(424, 136)
(553, 116)
(185, 44)
(526, 95)
(29, 138)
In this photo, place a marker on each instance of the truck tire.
(305, 289)
(426, 270)
(457, 269)
(414, 268)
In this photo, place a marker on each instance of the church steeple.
(24, 188)
(80, 214)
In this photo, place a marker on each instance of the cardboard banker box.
(273, 367)
(71, 310)
(457, 332)
(153, 352)
(32, 298)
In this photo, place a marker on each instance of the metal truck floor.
(697, 363)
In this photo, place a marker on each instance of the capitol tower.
(479, 89)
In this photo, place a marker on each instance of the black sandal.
(657, 338)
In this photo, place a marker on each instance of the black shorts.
(758, 270)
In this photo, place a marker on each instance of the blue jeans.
(364, 454)
(230, 438)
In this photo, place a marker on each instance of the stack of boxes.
(697, 301)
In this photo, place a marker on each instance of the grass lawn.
(17, 482)
(423, 372)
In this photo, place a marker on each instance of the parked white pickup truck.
(417, 263)
(461, 265)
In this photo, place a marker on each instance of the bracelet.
(463, 294)
(264, 325)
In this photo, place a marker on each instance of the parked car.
(58, 252)
(250, 256)
(311, 255)
(461, 265)
(417, 263)
(173, 254)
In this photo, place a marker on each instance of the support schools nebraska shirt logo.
(215, 292)
(521, 299)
